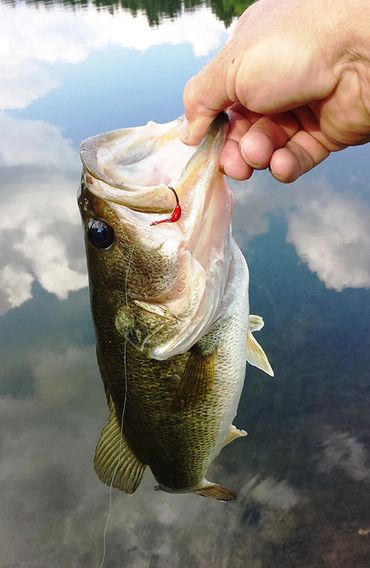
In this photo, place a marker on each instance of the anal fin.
(115, 463)
(256, 323)
(233, 434)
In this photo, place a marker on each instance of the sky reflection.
(328, 228)
(34, 39)
(302, 474)
(38, 233)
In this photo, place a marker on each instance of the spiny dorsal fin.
(214, 490)
(114, 462)
(233, 434)
(197, 379)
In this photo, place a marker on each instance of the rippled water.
(303, 473)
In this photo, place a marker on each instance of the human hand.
(295, 77)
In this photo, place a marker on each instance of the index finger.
(205, 95)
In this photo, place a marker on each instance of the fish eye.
(100, 234)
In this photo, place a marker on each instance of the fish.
(169, 299)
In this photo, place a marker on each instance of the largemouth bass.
(169, 298)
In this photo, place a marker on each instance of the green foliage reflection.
(157, 10)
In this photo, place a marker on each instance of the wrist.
(355, 48)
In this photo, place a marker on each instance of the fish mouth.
(132, 167)
(140, 173)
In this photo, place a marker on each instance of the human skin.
(295, 78)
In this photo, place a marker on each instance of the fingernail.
(184, 130)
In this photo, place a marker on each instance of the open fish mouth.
(137, 167)
(139, 176)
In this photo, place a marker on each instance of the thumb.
(205, 95)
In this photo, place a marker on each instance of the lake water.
(303, 473)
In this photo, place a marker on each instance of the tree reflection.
(157, 10)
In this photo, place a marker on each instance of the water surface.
(303, 474)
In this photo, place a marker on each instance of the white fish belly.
(231, 351)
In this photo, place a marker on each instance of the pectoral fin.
(154, 308)
(114, 462)
(255, 354)
(197, 379)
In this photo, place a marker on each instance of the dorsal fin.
(114, 462)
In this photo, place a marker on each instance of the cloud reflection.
(15, 287)
(331, 233)
(51, 494)
(41, 490)
(40, 232)
(34, 142)
(33, 38)
(346, 452)
(23, 82)
(329, 230)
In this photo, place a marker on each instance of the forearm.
(355, 19)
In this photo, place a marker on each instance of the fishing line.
(176, 213)
(121, 425)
